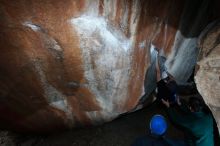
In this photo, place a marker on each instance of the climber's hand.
(178, 100)
(166, 103)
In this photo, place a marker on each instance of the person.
(166, 89)
(166, 84)
(156, 137)
(194, 120)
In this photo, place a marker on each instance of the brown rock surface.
(208, 75)
(78, 62)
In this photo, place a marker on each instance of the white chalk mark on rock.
(54, 97)
(106, 52)
(34, 27)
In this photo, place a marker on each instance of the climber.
(195, 121)
(166, 84)
(158, 127)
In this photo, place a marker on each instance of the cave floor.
(119, 132)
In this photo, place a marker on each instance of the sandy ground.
(120, 132)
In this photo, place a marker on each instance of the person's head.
(158, 125)
(195, 104)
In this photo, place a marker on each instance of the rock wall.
(208, 75)
(80, 62)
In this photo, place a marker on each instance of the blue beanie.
(158, 125)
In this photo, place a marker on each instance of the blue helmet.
(158, 125)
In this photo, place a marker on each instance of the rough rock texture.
(78, 62)
(208, 75)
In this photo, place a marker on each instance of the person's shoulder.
(205, 119)
(208, 116)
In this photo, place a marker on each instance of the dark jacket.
(197, 126)
(167, 91)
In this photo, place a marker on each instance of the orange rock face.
(79, 62)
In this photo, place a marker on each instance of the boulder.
(74, 63)
(207, 77)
